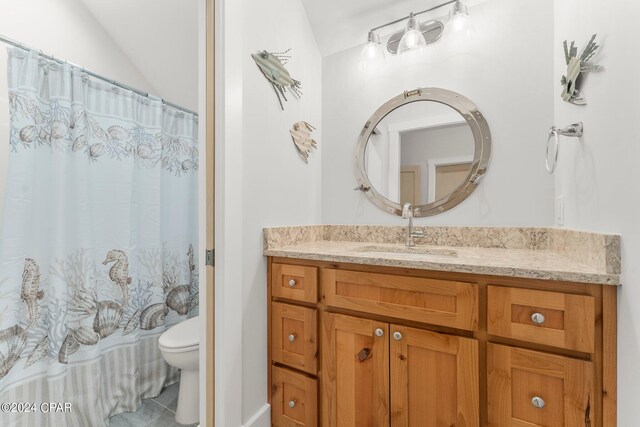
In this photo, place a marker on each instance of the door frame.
(221, 126)
(432, 164)
(206, 206)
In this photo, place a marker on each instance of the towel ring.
(573, 131)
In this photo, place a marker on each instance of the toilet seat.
(181, 338)
(178, 349)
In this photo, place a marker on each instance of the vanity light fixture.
(415, 36)
(372, 55)
(459, 19)
(412, 38)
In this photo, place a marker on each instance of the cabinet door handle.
(397, 336)
(379, 332)
(538, 402)
(292, 338)
(292, 404)
(364, 354)
(292, 283)
(537, 318)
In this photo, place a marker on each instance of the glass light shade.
(372, 56)
(459, 19)
(412, 38)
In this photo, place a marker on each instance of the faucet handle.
(407, 211)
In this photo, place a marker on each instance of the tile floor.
(157, 412)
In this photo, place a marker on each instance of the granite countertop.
(537, 253)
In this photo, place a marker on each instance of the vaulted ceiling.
(160, 37)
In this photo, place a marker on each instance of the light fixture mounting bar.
(415, 14)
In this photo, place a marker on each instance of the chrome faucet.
(407, 213)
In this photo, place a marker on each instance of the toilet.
(179, 346)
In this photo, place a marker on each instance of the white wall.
(67, 30)
(598, 177)
(278, 187)
(507, 71)
(159, 37)
(265, 182)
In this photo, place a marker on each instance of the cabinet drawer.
(529, 388)
(294, 282)
(550, 318)
(294, 399)
(438, 302)
(294, 336)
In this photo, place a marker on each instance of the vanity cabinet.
(359, 345)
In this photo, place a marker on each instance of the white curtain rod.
(12, 42)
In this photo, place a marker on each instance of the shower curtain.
(97, 244)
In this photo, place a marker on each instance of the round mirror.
(427, 147)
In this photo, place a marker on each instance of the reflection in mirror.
(419, 153)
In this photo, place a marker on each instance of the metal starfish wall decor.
(272, 67)
(301, 135)
(576, 66)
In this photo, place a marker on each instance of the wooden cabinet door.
(434, 379)
(355, 372)
(529, 388)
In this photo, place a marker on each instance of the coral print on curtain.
(97, 243)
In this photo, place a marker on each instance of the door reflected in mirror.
(420, 153)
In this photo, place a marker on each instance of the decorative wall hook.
(272, 67)
(576, 67)
(572, 131)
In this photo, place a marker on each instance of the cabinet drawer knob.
(397, 336)
(538, 402)
(292, 283)
(292, 404)
(292, 338)
(379, 332)
(537, 318)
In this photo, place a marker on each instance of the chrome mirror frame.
(481, 135)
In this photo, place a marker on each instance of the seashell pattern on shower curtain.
(175, 154)
(91, 320)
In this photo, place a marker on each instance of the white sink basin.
(417, 250)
